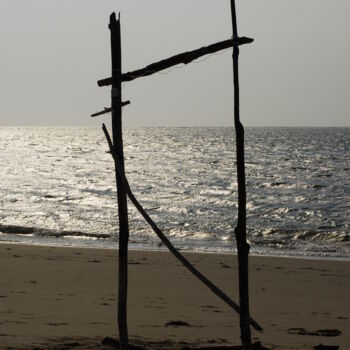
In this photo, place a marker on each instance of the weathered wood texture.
(165, 240)
(116, 96)
(241, 228)
(185, 57)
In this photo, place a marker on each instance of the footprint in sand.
(177, 324)
(326, 347)
(319, 332)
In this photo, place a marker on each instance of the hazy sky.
(296, 73)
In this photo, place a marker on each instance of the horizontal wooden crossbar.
(106, 110)
(185, 57)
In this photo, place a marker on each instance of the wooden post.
(114, 26)
(241, 230)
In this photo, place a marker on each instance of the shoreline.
(152, 249)
(52, 295)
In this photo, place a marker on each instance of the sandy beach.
(53, 297)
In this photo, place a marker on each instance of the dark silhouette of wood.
(185, 58)
(116, 96)
(164, 239)
(105, 111)
(241, 228)
(116, 149)
(109, 110)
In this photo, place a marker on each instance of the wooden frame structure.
(123, 188)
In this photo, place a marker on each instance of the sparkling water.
(57, 187)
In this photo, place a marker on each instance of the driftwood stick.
(105, 111)
(109, 110)
(165, 240)
(185, 57)
(241, 229)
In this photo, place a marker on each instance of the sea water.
(58, 188)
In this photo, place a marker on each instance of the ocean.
(58, 188)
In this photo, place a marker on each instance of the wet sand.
(51, 296)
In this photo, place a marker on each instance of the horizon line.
(177, 126)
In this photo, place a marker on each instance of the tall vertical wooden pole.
(114, 26)
(241, 228)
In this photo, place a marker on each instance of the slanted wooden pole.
(241, 228)
(114, 26)
(217, 291)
